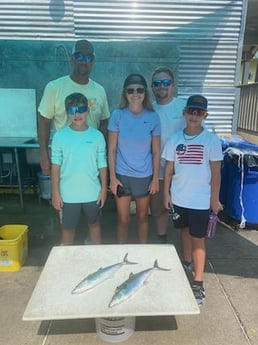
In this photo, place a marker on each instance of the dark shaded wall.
(31, 64)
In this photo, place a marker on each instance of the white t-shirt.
(171, 120)
(191, 182)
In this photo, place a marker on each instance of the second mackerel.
(133, 283)
(97, 277)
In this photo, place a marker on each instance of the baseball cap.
(198, 102)
(135, 79)
(83, 46)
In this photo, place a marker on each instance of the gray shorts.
(195, 220)
(138, 187)
(71, 214)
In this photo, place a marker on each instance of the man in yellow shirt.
(52, 109)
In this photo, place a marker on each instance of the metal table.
(15, 144)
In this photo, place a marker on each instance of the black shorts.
(71, 213)
(137, 187)
(195, 220)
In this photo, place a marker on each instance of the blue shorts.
(138, 187)
(195, 220)
(71, 213)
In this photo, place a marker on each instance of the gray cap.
(135, 79)
(198, 102)
(83, 46)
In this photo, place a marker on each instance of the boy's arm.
(169, 170)
(112, 147)
(57, 201)
(103, 180)
(215, 204)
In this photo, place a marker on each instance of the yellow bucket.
(13, 247)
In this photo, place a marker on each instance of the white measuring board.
(165, 292)
(18, 114)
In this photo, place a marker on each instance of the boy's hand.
(216, 206)
(102, 198)
(167, 202)
(57, 201)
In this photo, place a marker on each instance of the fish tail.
(156, 265)
(127, 262)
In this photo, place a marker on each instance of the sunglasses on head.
(78, 109)
(140, 90)
(195, 111)
(162, 82)
(80, 57)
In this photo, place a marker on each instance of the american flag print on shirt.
(190, 154)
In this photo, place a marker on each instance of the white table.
(165, 293)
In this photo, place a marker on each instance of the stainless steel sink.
(32, 154)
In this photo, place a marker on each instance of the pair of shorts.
(138, 187)
(195, 220)
(157, 202)
(71, 213)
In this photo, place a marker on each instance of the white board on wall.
(18, 113)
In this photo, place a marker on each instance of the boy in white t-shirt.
(191, 185)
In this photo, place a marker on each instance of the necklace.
(190, 137)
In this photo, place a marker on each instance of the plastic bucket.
(115, 329)
(44, 186)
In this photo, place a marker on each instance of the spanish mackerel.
(100, 275)
(132, 284)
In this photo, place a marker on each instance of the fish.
(102, 274)
(130, 286)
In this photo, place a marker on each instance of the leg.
(123, 210)
(95, 232)
(142, 206)
(69, 216)
(159, 213)
(161, 223)
(199, 262)
(67, 236)
(199, 255)
(186, 243)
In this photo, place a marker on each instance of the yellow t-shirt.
(52, 103)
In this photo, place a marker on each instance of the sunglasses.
(80, 57)
(140, 90)
(163, 82)
(78, 109)
(194, 111)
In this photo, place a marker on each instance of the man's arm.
(103, 128)
(44, 135)
(154, 187)
(169, 170)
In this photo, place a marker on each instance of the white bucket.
(44, 186)
(115, 329)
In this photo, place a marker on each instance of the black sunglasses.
(140, 90)
(195, 111)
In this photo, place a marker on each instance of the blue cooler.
(242, 189)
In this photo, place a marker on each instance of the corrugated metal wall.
(208, 34)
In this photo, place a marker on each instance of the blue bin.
(242, 192)
(224, 182)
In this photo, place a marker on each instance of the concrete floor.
(229, 315)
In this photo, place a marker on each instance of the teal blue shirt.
(80, 155)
